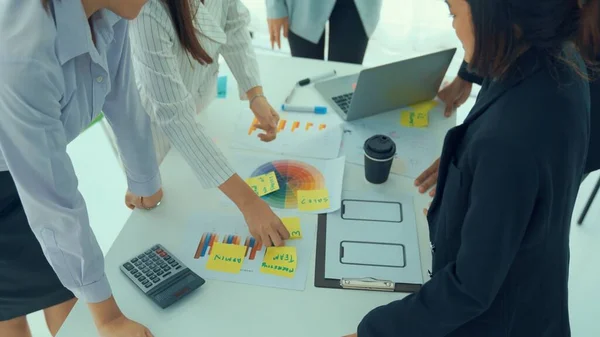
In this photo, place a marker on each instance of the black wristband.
(464, 73)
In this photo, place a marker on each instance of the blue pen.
(320, 110)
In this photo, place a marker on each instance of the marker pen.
(307, 81)
(319, 110)
(317, 78)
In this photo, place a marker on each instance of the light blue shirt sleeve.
(131, 124)
(276, 9)
(34, 144)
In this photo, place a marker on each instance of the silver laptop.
(387, 87)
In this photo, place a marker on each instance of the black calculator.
(161, 276)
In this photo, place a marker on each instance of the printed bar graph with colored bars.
(295, 125)
(207, 240)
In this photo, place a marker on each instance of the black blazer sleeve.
(504, 185)
(464, 73)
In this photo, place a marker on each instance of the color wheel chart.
(292, 176)
(293, 126)
(206, 243)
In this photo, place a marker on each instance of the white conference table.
(231, 309)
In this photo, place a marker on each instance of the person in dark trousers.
(302, 22)
(457, 93)
(508, 179)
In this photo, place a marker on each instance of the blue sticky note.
(222, 87)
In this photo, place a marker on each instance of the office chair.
(589, 202)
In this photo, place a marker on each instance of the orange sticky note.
(313, 200)
(279, 261)
(227, 258)
(293, 226)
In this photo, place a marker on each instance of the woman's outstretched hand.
(264, 225)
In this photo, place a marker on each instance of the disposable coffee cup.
(379, 155)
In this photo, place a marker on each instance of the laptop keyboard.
(343, 101)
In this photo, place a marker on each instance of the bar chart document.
(222, 238)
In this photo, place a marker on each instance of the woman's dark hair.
(183, 15)
(505, 29)
(589, 35)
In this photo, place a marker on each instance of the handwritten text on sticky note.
(264, 184)
(279, 261)
(313, 200)
(293, 226)
(417, 115)
(227, 258)
(412, 119)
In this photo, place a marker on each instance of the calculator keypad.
(152, 267)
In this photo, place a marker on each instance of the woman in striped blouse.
(175, 47)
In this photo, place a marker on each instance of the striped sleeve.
(172, 106)
(238, 52)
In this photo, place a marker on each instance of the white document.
(293, 175)
(195, 251)
(302, 135)
(416, 148)
(373, 236)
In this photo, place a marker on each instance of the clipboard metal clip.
(367, 283)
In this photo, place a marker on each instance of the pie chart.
(292, 176)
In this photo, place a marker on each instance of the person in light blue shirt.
(62, 62)
(302, 22)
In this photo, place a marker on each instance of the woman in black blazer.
(457, 92)
(508, 179)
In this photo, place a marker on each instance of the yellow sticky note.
(293, 226)
(418, 115)
(264, 184)
(424, 107)
(227, 258)
(313, 200)
(279, 261)
(412, 119)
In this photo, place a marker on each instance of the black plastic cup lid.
(380, 147)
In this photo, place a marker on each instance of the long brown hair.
(183, 21)
(589, 35)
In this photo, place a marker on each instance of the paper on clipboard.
(383, 247)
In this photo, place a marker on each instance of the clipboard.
(351, 284)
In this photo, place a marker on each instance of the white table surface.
(230, 309)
